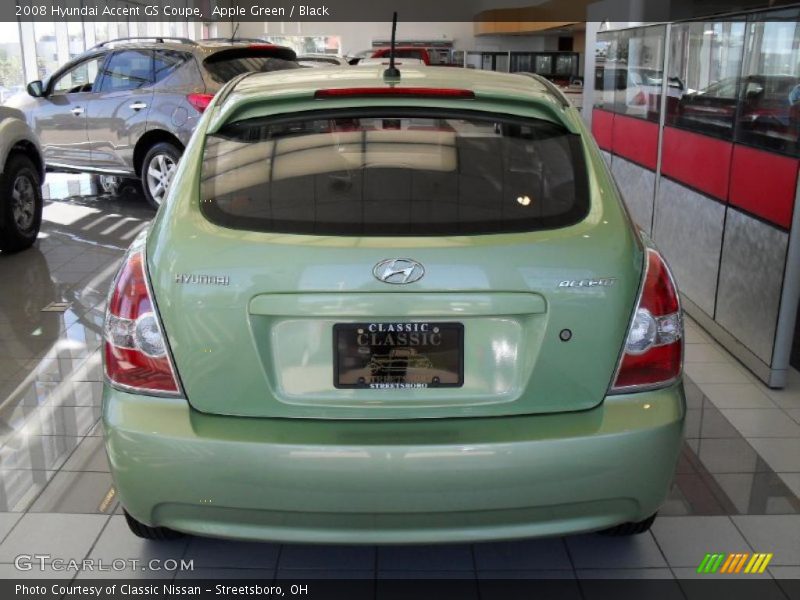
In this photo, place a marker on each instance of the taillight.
(136, 354)
(417, 92)
(653, 354)
(200, 101)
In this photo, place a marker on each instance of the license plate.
(398, 355)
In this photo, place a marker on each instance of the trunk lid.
(251, 315)
(263, 345)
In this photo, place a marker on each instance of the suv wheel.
(631, 528)
(158, 169)
(141, 530)
(21, 204)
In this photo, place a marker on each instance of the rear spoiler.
(262, 49)
(554, 91)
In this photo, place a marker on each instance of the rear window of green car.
(394, 172)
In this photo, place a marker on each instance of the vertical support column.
(27, 39)
(790, 297)
(88, 32)
(62, 42)
(662, 119)
(589, 64)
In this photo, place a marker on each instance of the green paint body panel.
(264, 446)
(407, 481)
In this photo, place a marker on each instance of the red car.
(404, 52)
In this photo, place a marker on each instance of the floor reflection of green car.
(464, 211)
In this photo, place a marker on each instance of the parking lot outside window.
(46, 49)
(704, 76)
(11, 77)
(769, 114)
(629, 72)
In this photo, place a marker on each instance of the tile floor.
(736, 488)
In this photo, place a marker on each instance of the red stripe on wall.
(697, 160)
(763, 184)
(636, 140)
(602, 127)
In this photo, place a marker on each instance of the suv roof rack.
(159, 39)
(554, 91)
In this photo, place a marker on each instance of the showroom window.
(308, 44)
(46, 49)
(11, 76)
(769, 114)
(544, 64)
(123, 29)
(75, 38)
(101, 33)
(705, 76)
(628, 78)
(127, 70)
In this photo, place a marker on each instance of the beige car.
(21, 176)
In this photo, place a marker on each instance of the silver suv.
(127, 108)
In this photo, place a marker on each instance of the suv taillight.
(653, 354)
(136, 353)
(200, 102)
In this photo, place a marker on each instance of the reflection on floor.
(736, 489)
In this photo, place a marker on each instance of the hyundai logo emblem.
(398, 271)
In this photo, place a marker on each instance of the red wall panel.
(602, 127)
(763, 184)
(697, 160)
(636, 140)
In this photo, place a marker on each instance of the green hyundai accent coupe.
(381, 309)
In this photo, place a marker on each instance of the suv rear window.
(227, 64)
(394, 172)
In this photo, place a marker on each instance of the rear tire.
(624, 529)
(141, 530)
(158, 169)
(20, 203)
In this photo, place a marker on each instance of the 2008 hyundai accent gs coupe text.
(394, 310)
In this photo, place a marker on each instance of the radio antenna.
(392, 72)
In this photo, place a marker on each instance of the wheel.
(158, 169)
(631, 528)
(20, 203)
(150, 533)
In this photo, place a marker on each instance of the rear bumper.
(438, 480)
